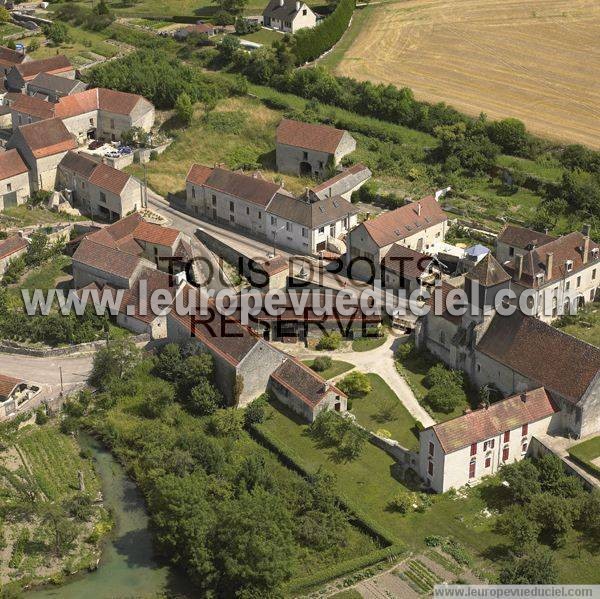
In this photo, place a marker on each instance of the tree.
(589, 520)
(445, 398)
(116, 361)
(169, 363)
(231, 7)
(158, 396)
(194, 370)
(321, 363)
(228, 48)
(510, 135)
(553, 514)
(537, 566)
(226, 423)
(356, 384)
(101, 8)
(438, 374)
(37, 251)
(204, 399)
(518, 527)
(256, 411)
(523, 480)
(63, 530)
(184, 108)
(57, 32)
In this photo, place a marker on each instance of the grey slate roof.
(286, 12)
(55, 83)
(311, 214)
(343, 182)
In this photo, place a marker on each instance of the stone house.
(10, 248)
(344, 183)
(403, 268)
(207, 29)
(463, 450)
(309, 225)
(19, 74)
(42, 145)
(98, 189)
(52, 87)
(14, 179)
(9, 58)
(514, 353)
(313, 150)
(288, 15)
(417, 225)
(514, 240)
(304, 391)
(13, 393)
(565, 272)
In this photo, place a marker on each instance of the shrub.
(332, 430)
(256, 411)
(321, 363)
(445, 397)
(405, 350)
(40, 416)
(356, 384)
(434, 540)
(439, 375)
(403, 502)
(226, 423)
(330, 341)
(203, 399)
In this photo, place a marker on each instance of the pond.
(128, 567)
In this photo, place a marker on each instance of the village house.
(309, 225)
(403, 268)
(42, 145)
(19, 74)
(565, 272)
(463, 450)
(417, 225)
(309, 150)
(9, 58)
(288, 16)
(14, 179)
(207, 29)
(52, 87)
(98, 189)
(344, 184)
(96, 113)
(514, 240)
(10, 248)
(13, 393)
(513, 353)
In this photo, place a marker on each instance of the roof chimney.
(519, 266)
(586, 244)
(280, 2)
(418, 209)
(297, 5)
(524, 396)
(549, 263)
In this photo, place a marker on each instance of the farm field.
(534, 60)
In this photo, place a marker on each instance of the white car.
(112, 154)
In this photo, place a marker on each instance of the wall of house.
(143, 115)
(589, 408)
(21, 118)
(289, 158)
(84, 275)
(80, 124)
(45, 172)
(345, 147)
(19, 185)
(4, 262)
(305, 18)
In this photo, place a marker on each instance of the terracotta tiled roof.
(7, 386)
(303, 382)
(106, 259)
(485, 423)
(54, 64)
(33, 106)
(46, 138)
(488, 272)
(252, 189)
(125, 226)
(9, 57)
(357, 173)
(11, 164)
(11, 245)
(321, 138)
(405, 221)
(199, 174)
(438, 302)
(520, 237)
(153, 233)
(567, 247)
(406, 262)
(78, 163)
(311, 214)
(109, 178)
(559, 362)
(97, 98)
(274, 265)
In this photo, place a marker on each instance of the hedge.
(303, 585)
(311, 43)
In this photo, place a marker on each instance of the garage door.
(10, 199)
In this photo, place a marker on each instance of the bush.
(256, 411)
(445, 398)
(403, 502)
(226, 423)
(356, 384)
(40, 416)
(405, 350)
(321, 363)
(330, 341)
(332, 430)
(439, 375)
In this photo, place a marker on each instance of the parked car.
(112, 154)
(125, 150)
(95, 144)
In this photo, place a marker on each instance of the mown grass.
(263, 36)
(586, 452)
(382, 410)
(584, 325)
(337, 367)
(368, 343)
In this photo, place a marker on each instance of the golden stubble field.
(537, 60)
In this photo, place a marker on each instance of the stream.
(127, 567)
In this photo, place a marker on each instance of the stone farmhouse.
(99, 189)
(19, 74)
(306, 149)
(265, 209)
(403, 268)
(463, 450)
(416, 225)
(96, 113)
(288, 15)
(42, 145)
(9, 58)
(13, 393)
(14, 179)
(344, 184)
(514, 353)
(565, 271)
(10, 248)
(52, 87)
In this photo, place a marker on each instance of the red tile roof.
(105, 258)
(153, 233)
(53, 65)
(485, 423)
(321, 138)
(33, 106)
(520, 237)
(109, 178)
(97, 98)
(199, 174)
(9, 57)
(11, 164)
(12, 245)
(7, 386)
(406, 262)
(559, 362)
(46, 138)
(405, 221)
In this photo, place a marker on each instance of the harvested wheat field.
(537, 60)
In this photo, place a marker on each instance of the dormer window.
(569, 265)
(540, 278)
(595, 253)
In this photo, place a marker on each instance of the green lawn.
(381, 409)
(368, 343)
(262, 36)
(584, 325)
(586, 452)
(45, 276)
(24, 216)
(545, 168)
(337, 367)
